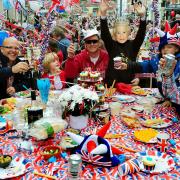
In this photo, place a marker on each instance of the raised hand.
(140, 9)
(104, 6)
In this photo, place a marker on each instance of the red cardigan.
(82, 60)
(52, 78)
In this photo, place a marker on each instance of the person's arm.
(146, 66)
(5, 72)
(137, 42)
(170, 89)
(72, 67)
(105, 34)
(134, 67)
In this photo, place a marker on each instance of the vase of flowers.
(77, 103)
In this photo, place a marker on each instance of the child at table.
(170, 86)
(120, 44)
(169, 44)
(52, 71)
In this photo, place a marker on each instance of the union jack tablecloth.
(34, 162)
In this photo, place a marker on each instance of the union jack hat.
(95, 149)
(168, 37)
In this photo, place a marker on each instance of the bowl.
(5, 160)
(50, 151)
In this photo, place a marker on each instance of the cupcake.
(94, 76)
(149, 163)
(100, 87)
(84, 75)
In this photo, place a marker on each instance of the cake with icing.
(149, 163)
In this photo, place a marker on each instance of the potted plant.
(77, 103)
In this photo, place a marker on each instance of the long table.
(34, 161)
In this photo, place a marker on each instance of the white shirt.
(94, 60)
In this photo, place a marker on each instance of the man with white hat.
(91, 57)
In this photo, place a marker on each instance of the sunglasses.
(91, 41)
(11, 48)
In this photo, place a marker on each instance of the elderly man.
(92, 56)
(12, 71)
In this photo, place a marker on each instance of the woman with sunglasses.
(91, 57)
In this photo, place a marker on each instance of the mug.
(162, 144)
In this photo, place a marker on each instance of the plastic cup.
(115, 108)
(117, 60)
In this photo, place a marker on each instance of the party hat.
(101, 149)
(77, 138)
(169, 36)
(167, 27)
(102, 132)
(90, 146)
(173, 30)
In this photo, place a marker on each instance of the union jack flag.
(54, 5)
(94, 159)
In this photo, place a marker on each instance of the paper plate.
(124, 98)
(152, 140)
(23, 94)
(100, 108)
(165, 123)
(164, 162)
(15, 169)
(143, 92)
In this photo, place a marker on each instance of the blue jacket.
(152, 66)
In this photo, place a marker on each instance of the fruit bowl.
(5, 160)
(50, 151)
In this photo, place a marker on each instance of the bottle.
(35, 74)
(76, 44)
(35, 112)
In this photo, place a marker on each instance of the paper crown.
(168, 37)
(95, 149)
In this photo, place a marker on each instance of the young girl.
(120, 44)
(52, 71)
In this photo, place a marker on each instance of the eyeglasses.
(91, 41)
(11, 48)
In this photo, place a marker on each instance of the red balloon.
(173, 13)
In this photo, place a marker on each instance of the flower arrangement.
(78, 101)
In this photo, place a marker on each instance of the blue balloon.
(3, 36)
(7, 5)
